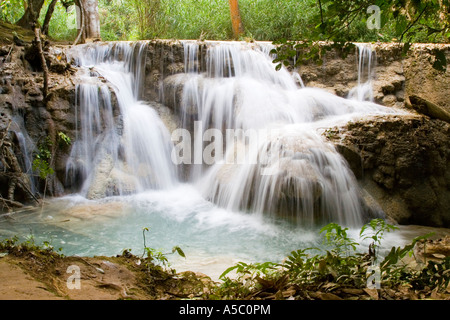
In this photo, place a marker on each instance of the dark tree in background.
(31, 15)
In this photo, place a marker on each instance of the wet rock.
(405, 165)
(353, 157)
(109, 181)
(389, 100)
(22, 100)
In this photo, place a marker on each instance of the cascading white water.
(241, 90)
(287, 168)
(366, 73)
(278, 165)
(120, 153)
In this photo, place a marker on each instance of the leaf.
(179, 251)
(431, 31)
(373, 293)
(227, 271)
(440, 61)
(406, 48)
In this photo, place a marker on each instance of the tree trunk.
(236, 19)
(91, 20)
(48, 16)
(31, 14)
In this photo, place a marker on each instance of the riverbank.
(40, 275)
(32, 273)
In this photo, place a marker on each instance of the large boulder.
(403, 161)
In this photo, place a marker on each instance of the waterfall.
(119, 151)
(258, 134)
(26, 147)
(366, 62)
(277, 162)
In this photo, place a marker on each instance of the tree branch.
(48, 16)
(321, 12)
(81, 31)
(413, 23)
(43, 62)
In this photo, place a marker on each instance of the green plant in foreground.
(339, 265)
(152, 255)
(13, 245)
(375, 230)
(337, 236)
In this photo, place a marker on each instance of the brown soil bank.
(34, 275)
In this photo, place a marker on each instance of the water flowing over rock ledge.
(401, 161)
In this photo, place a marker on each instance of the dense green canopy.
(284, 22)
(353, 20)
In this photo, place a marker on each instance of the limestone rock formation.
(403, 162)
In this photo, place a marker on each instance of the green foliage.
(43, 168)
(392, 269)
(290, 53)
(148, 19)
(251, 277)
(270, 20)
(42, 159)
(375, 230)
(339, 264)
(397, 253)
(256, 269)
(63, 25)
(152, 256)
(197, 19)
(337, 237)
(308, 21)
(118, 20)
(9, 242)
(64, 139)
(11, 10)
(342, 22)
(149, 15)
(12, 245)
